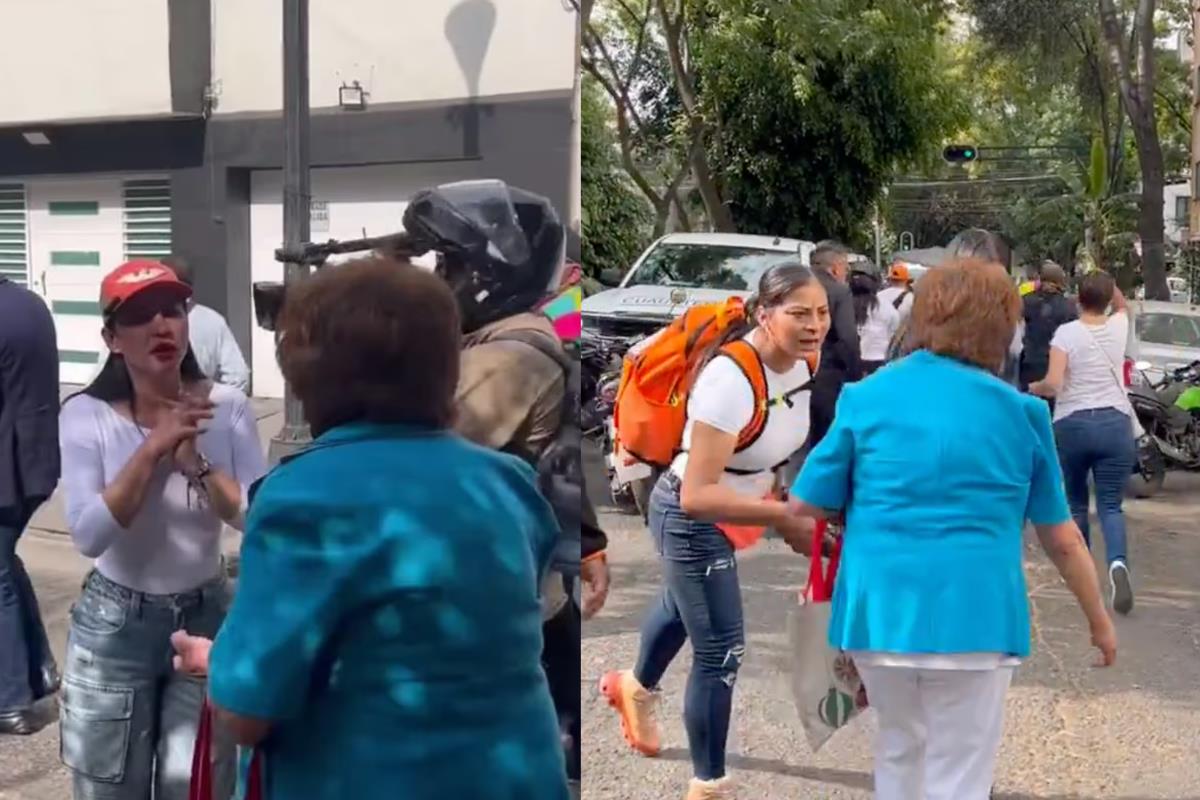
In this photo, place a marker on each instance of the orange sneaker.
(636, 704)
(720, 789)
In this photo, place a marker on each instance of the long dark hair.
(773, 288)
(864, 291)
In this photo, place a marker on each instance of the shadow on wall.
(469, 28)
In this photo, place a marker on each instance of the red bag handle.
(821, 577)
(201, 787)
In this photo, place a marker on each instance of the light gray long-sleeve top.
(173, 543)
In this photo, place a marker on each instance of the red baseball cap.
(133, 277)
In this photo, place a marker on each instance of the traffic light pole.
(296, 193)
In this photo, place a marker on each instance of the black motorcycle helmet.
(499, 248)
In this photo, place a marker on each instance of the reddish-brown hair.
(968, 310)
(373, 340)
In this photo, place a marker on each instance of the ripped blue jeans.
(701, 601)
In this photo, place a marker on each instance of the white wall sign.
(319, 216)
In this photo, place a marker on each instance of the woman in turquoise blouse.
(385, 636)
(937, 464)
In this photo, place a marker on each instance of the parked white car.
(682, 270)
(1167, 336)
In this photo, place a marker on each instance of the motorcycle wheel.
(1149, 474)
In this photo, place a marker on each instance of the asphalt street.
(1131, 732)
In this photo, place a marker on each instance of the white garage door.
(350, 202)
(77, 231)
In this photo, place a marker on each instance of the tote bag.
(825, 684)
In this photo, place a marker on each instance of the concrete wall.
(67, 59)
(401, 51)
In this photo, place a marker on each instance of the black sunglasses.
(139, 311)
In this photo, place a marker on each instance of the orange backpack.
(651, 406)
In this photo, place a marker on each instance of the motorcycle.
(630, 480)
(1169, 413)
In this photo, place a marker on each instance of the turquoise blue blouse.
(387, 621)
(938, 465)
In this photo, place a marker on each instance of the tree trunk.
(718, 212)
(1133, 61)
(1150, 219)
(675, 32)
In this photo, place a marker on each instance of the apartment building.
(142, 127)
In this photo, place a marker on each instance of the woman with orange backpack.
(747, 413)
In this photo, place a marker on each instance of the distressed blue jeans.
(128, 719)
(1098, 442)
(701, 602)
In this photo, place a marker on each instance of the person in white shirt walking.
(212, 341)
(1093, 420)
(877, 321)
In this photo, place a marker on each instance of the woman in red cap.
(156, 459)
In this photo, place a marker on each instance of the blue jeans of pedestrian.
(1098, 442)
(24, 648)
(700, 601)
(128, 719)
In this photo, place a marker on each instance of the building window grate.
(147, 218)
(14, 234)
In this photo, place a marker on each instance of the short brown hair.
(966, 309)
(372, 340)
(1096, 291)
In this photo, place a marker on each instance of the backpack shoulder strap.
(544, 343)
(750, 363)
(899, 301)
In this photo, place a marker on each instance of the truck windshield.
(1177, 330)
(706, 266)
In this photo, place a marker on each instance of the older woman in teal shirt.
(386, 633)
(937, 464)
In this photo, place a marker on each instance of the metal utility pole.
(296, 193)
(1191, 254)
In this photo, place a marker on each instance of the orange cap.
(898, 272)
(132, 277)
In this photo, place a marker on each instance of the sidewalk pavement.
(50, 518)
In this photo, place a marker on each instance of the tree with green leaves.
(1088, 223)
(1104, 50)
(788, 118)
(616, 220)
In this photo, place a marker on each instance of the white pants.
(939, 731)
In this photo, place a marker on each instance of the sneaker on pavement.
(636, 706)
(720, 789)
(1122, 587)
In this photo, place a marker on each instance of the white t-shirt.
(723, 398)
(1090, 381)
(888, 295)
(173, 543)
(876, 333)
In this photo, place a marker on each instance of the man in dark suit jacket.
(29, 472)
(841, 361)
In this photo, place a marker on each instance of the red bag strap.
(201, 786)
(821, 577)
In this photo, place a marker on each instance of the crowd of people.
(930, 504)
(402, 612)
